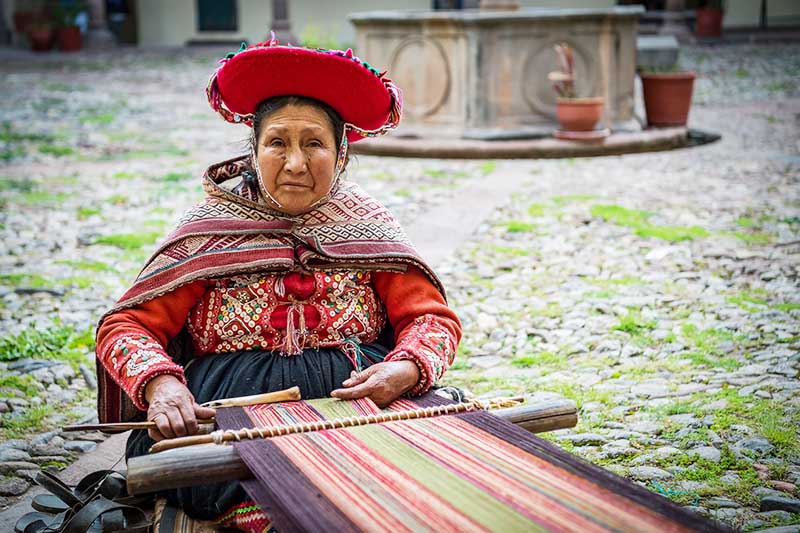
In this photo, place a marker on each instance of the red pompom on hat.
(368, 101)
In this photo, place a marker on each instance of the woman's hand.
(172, 408)
(382, 382)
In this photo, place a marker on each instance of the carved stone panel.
(426, 84)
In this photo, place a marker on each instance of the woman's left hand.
(382, 382)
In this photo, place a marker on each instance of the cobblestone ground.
(658, 291)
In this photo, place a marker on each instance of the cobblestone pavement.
(658, 291)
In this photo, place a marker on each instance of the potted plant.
(574, 114)
(708, 18)
(68, 33)
(667, 95)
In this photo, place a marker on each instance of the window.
(216, 15)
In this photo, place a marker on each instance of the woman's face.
(296, 152)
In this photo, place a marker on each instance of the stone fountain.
(482, 74)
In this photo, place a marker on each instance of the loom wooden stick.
(197, 465)
(121, 426)
(219, 437)
(288, 395)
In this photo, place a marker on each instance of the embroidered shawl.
(234, 232)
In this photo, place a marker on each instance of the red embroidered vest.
(286, 312)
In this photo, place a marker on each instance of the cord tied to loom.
(226, 435)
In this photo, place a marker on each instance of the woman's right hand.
(172, 408)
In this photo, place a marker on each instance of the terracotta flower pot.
(708, 22)
(69, 38)
(667, 98)
(41, 39)
(579, 114)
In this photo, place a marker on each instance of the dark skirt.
(316, 372)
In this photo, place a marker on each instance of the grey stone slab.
(775, 503)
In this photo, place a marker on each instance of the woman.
(284, 275)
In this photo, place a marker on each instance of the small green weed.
(56, 342)
(673, 233)
(57, 150)
(571, 199)
(123, 175)
(624, 280)
(25, 280)
(728, 364)
(780, 86)
(17, 185)
(543, 359)
(707, 340)
(30, 421)
(511, 250)
(435, 173)
(85, 212)
(536, 210)
(24, 383)
(99, 118)
(117, 199)
(748, 300)
(92, 266)
(638, 221)
(173, 177)
(634, 324)
(487, 167)
(128, 241)
(621, 216)
(9, 135)
(516, 226)
(758, 237)
(42, 198)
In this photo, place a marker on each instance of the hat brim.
(351, 88)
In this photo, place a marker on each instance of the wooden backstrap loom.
(426, 465)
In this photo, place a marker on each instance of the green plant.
(65, 13)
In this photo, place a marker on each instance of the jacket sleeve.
(131, 343)
(426, 330)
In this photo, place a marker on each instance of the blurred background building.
(150, 23)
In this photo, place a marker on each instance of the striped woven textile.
(466, 472)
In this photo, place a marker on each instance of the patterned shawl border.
(211, 228)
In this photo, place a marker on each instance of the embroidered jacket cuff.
(136, 359)
(430, 346)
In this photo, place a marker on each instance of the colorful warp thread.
(470, 472)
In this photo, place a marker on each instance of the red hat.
(368, 102)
